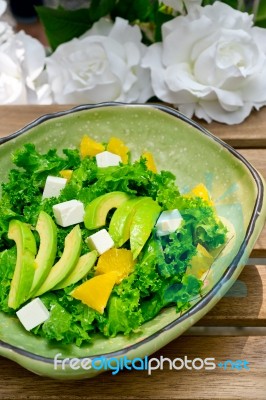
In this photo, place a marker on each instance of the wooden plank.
(15, 117)
(17, 383)
(257, 157)
(250, 134)
(244, 304)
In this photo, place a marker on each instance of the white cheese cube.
(168, 222)
(69, 213)
(100, 241)
(53, 186)
(107, 159)
(33, 314)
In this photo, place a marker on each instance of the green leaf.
(141, 10)
(159, 19)
(100, 8)
(232, 3)
(123, 315)
(7, 266)
(261, 15)
(63, 25)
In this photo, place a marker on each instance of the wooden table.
(235, 329)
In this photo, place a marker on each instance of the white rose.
(211, 63)
(103, 65)
(3, 5)
(21, 66)
(5, 29)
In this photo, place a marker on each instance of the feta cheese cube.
(53, 186)
(100, 241)
(69, 213)
(107, 159)
(168, 222)
(33, 314)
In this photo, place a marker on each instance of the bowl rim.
(231, 267)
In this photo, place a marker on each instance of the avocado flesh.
(120, 223)
(97, 210)
(200, 262)
(84, 265)
(144, 219)
(44, 260)
(66, 264)
(25, 263)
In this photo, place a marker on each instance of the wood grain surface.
(17, 383)
(13, 118)
(244, 305)
(250, 134)
(257, 157)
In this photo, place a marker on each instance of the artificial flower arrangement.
(206, 58)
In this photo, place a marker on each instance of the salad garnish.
(93, 242)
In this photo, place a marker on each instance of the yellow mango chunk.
(66, 173)
(117, 146)
(89, 147)
(119, 261)
(96, 291)
(150, 161)
(201, 191)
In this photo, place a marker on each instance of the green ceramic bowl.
(194, 156)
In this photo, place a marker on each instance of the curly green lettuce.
(159, 278)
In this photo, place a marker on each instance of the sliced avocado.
(144, 219)
(25, 265)
(67, 262)
(97, 210)
(200, 262)
(120, 223)
(84, 265)
(44, 260)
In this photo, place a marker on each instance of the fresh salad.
(92, 242)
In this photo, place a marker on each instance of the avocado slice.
(84, 265)
(144, 219)
(67, 262)
(97, 210)
(25, 265)
(44, 260)
(120, 223)
(200, 262)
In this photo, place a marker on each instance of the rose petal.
(34, 55)
(99, 28)
(122, 32)
(217, 113)
(211, 62)
(3, 6)
(98, 68)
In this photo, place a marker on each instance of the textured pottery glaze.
(193, 155)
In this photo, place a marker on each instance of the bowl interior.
(177, 146)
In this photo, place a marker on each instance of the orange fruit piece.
(89, 147)
(119, 261)
(117, 146)
(66, 173)
(201, 191)
(150, 163)
(96, 291)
